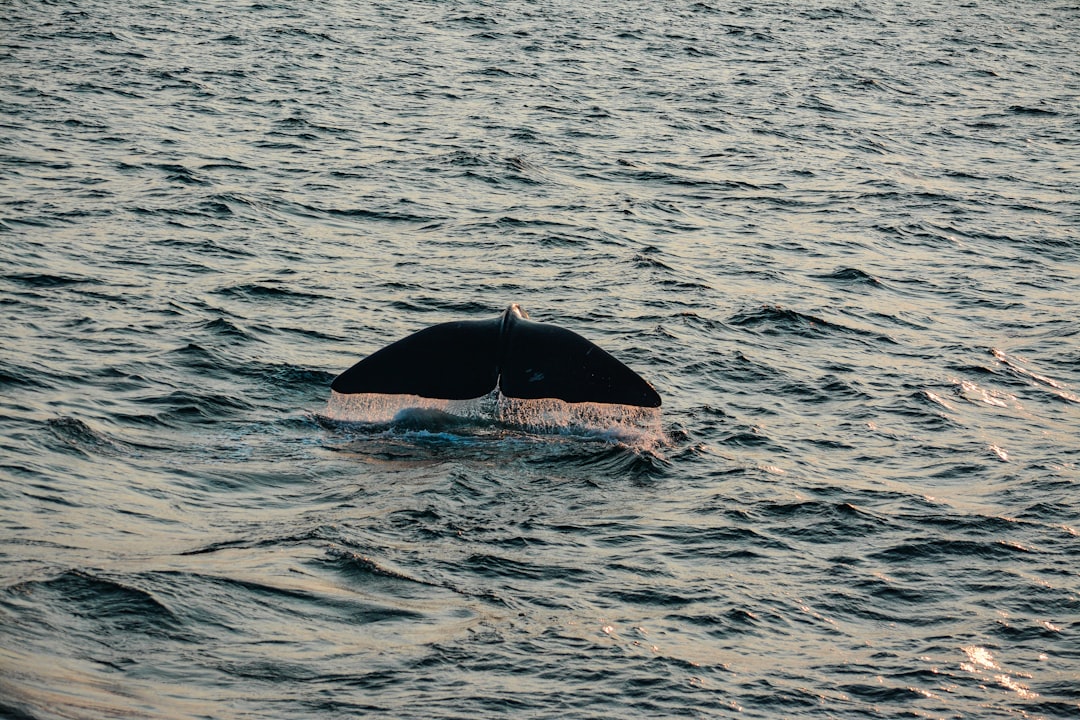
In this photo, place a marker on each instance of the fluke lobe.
(522, 358)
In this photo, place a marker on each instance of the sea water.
(840, 238)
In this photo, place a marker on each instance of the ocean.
(840, 239)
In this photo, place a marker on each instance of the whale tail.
(522, 358)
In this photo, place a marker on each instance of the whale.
(518, 357)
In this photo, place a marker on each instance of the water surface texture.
(840, 239)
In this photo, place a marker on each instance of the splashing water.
(637, 427)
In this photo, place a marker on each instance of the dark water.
(841, 239)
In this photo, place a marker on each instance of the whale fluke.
(522, 358)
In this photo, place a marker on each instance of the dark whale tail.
(524, 359)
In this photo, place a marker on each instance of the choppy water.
(840, 238)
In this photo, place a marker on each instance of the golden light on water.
(980, 659)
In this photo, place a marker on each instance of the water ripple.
(841, 240)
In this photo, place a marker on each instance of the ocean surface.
(841, 239)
